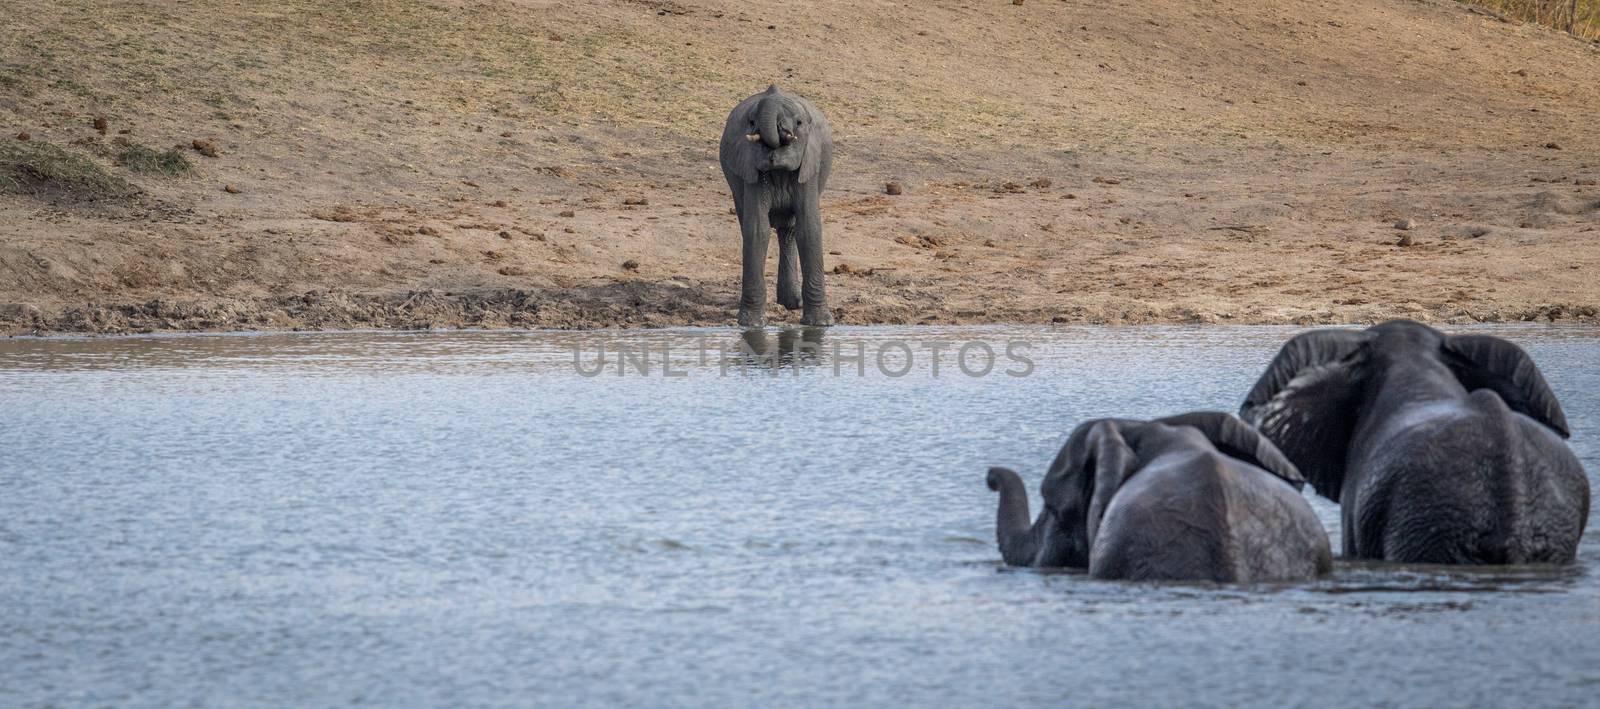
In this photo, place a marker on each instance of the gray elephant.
(1196, 497)
(1439, 448)
(776, 152)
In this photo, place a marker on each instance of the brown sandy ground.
(405, 163)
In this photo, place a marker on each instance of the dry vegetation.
(410, 163)
(42, 169)
(1580, 17)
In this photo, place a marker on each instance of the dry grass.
(245, 60)
(1580, 17)
(210, 63)
(149, 161)
(49, 170)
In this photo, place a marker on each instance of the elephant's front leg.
(808, 234)
(755, 233)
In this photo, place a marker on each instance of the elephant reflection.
(793, 347)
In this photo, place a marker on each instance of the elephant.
(1195, 497)
(776, 152)
(1438, 448)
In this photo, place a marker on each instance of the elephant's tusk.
(753, 137)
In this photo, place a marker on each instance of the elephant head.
(775, 132)
(1097, 459)
(1312, 397)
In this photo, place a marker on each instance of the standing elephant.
(1195, 497)
(776, 152)
(1439, 448)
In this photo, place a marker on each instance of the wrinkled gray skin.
(777, 181)
(1439, 448)
(1196, 497)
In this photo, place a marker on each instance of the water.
(463, 519)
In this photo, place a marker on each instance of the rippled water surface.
(463, 519)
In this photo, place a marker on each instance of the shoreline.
(598, 309)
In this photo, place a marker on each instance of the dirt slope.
(409, 163)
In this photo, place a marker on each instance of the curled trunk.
(767, 122)
(1019, 539)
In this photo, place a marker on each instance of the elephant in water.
(1439, 448)
(1195, 497)
(776, 152)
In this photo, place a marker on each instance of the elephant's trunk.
(1019, 539)
(767, 122)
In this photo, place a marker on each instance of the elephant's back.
(1210, 519)
(1161, 526)
(1273, 533)
(1480, 484)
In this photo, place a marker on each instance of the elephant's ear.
(819, 142)
(1488, 362)
(1237, 439)
(740, 157)
(1306, 402)
(1106, 461)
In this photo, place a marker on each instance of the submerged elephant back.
(1514, 494)
(1274, 532)
(1208, 517)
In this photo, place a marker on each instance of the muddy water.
(467, 518)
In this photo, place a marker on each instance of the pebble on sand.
(894, 188)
